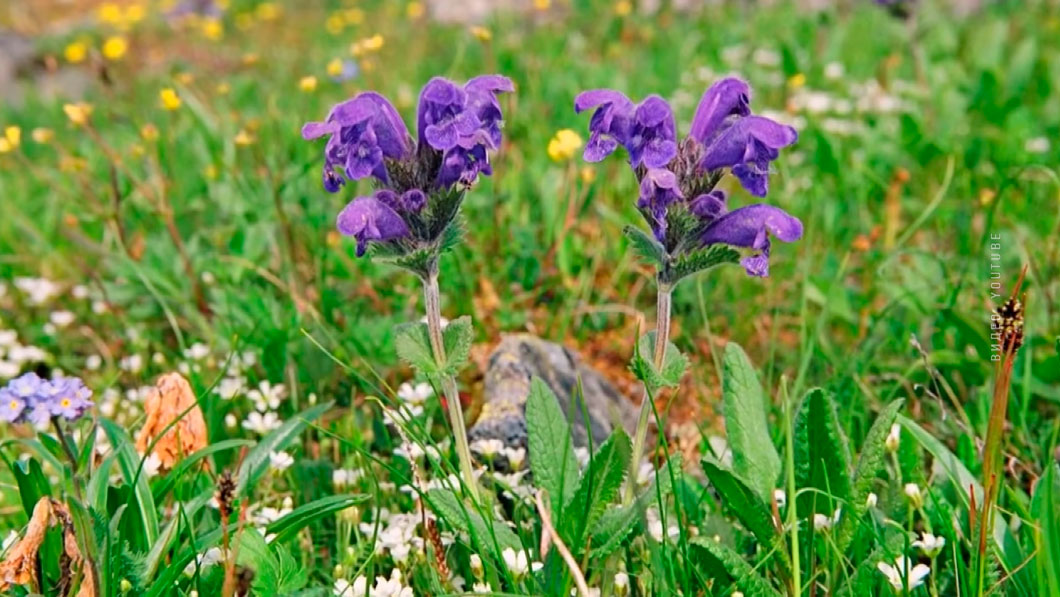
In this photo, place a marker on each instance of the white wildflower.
(916, 498)
(929, 544)
(518, 563)
(896, 575)
(61, 319)
(93, 362)
(267, 396)
(780, 497)
(261, 423)
(872, 500)
(197, 352)
(132, 363)
(151, 465)
(1037, 145)
(230, 387)
(280, 461)
(37, 290)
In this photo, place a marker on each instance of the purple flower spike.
(363, 131)
(750, 227)
(610, 124)
(653, 136)
(747, 147)
(443, 118)
(728, 97)
(482, 101)
(369, 219)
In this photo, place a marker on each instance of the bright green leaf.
(552, 459)
(744, 405)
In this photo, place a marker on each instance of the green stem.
(662, 338)
(793, 522)
(75, 478)
(432, 298)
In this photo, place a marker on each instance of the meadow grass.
(180, 237)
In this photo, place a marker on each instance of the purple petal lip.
(598, 97)
(734, 145)
(742, 227)
(725, 98)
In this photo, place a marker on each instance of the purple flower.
(658, 190)
(709, 206)
(27, 385)
(750, 227)
(482, 101)
(610, 124)
(460, 165)
(653, 136)
(747, 146)
(67, 397)
(646, 130)
(363, 131)
(11, 405)
(443, 118)
(729, 97)
(369, 219)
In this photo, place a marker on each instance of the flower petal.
(599, 97)
(725, 98)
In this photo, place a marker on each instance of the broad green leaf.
(822, 458)
(285, 576)
(254, 553)
(552, 459)
(32, 484)
(131, 466)
(700, 260)
(742, 501)
(744, 405)
(1045, 508)
(747, 578)
(457, 338)
(164, 486)
(96, 492)
(646, 247)
(257, 460)
(306, 514)
(870, 462)
(643, 364)
(612, 529)
(493, 536)
(597, 488)
(413, 345)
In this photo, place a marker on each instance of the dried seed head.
(226, 492)
(175, 419)
(1008, 322)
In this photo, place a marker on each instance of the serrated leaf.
(493, 537)
(612, 529)
(598, 487)
(643, 364)
(257, 459)
(744, 405)
(746, 577)
(822, 458)
(457, 338)
(552, 459)
(646, 247)
(870, 462)
(744, 503)
(700, 260)
(413, 344)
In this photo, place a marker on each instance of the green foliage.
(551, 450)
(645, 246)
(257, 460)
(413, 344)
(1045, 509)
(643, 364)
(745, 405)
(742, 501)
(750, 581)
(822, 457)
(699, 260)
(489, 535)
(597, 488)
(304, 515)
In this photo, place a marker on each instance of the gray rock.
(518, 359)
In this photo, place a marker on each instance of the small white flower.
(481, 587)
(358, 588)
(891, 443)
(197, 352)
(871, 500)
(896, 575)
(1037, 145)
(151, 465)
(834, 70)
(487, 448)
(132, 363)
(765, 57)
(621, 583)
(61, 319)
(267, 396)
(99, 307)
(517, 562)
(230, 387)
(476, 565)
(9, 369)
(79, 292)
(930, 544)
(516, 457)
(415, 394)
(8, 338)
(280, 461)
(916, 498)
(343, 477)
(231, 421)
(261, 423)
(821, 522)
(93, 362)
(210, 557)
(38, 290)
(780, 497)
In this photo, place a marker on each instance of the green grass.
(192, 237)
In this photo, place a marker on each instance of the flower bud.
(476, 566)
(916, 498)
(891, 443)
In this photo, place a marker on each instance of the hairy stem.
(662, 338)
(432, 299)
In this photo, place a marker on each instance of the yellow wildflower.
(149, 132)
(335, 67)
(366, 45)
(42, 135)
(334, 24)
(13, 135)
(623, 7)
(78, 113)
(169, 99)
(542, 4)
(415, 10)
(797, 80)
(563, 145)
(210, 172)
(212, 29)
(587, 174)
(243, 138)
(481, 33)
(308, 84)
(110, 13)
(353, 16)
(114, 48)
(268, 11)
(134, 13)
(75, 52)
(223, 88)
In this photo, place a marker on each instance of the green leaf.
(131, 469)
(822, 458)
(598, 487)
(32, 484)
(306, 514)
(493, 537)
(744, 503)
(744, 405)
(1045, 508)
(747, 578)
(257, 460)
(413, 344)
(552, 459)
(643, 364)
(282, 575)
(870, 462)
(164, 486)
(645, 246)
(457, 338)
(612, 529)
(699, 260)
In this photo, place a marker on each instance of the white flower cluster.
(383, 587)
(14, 356)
